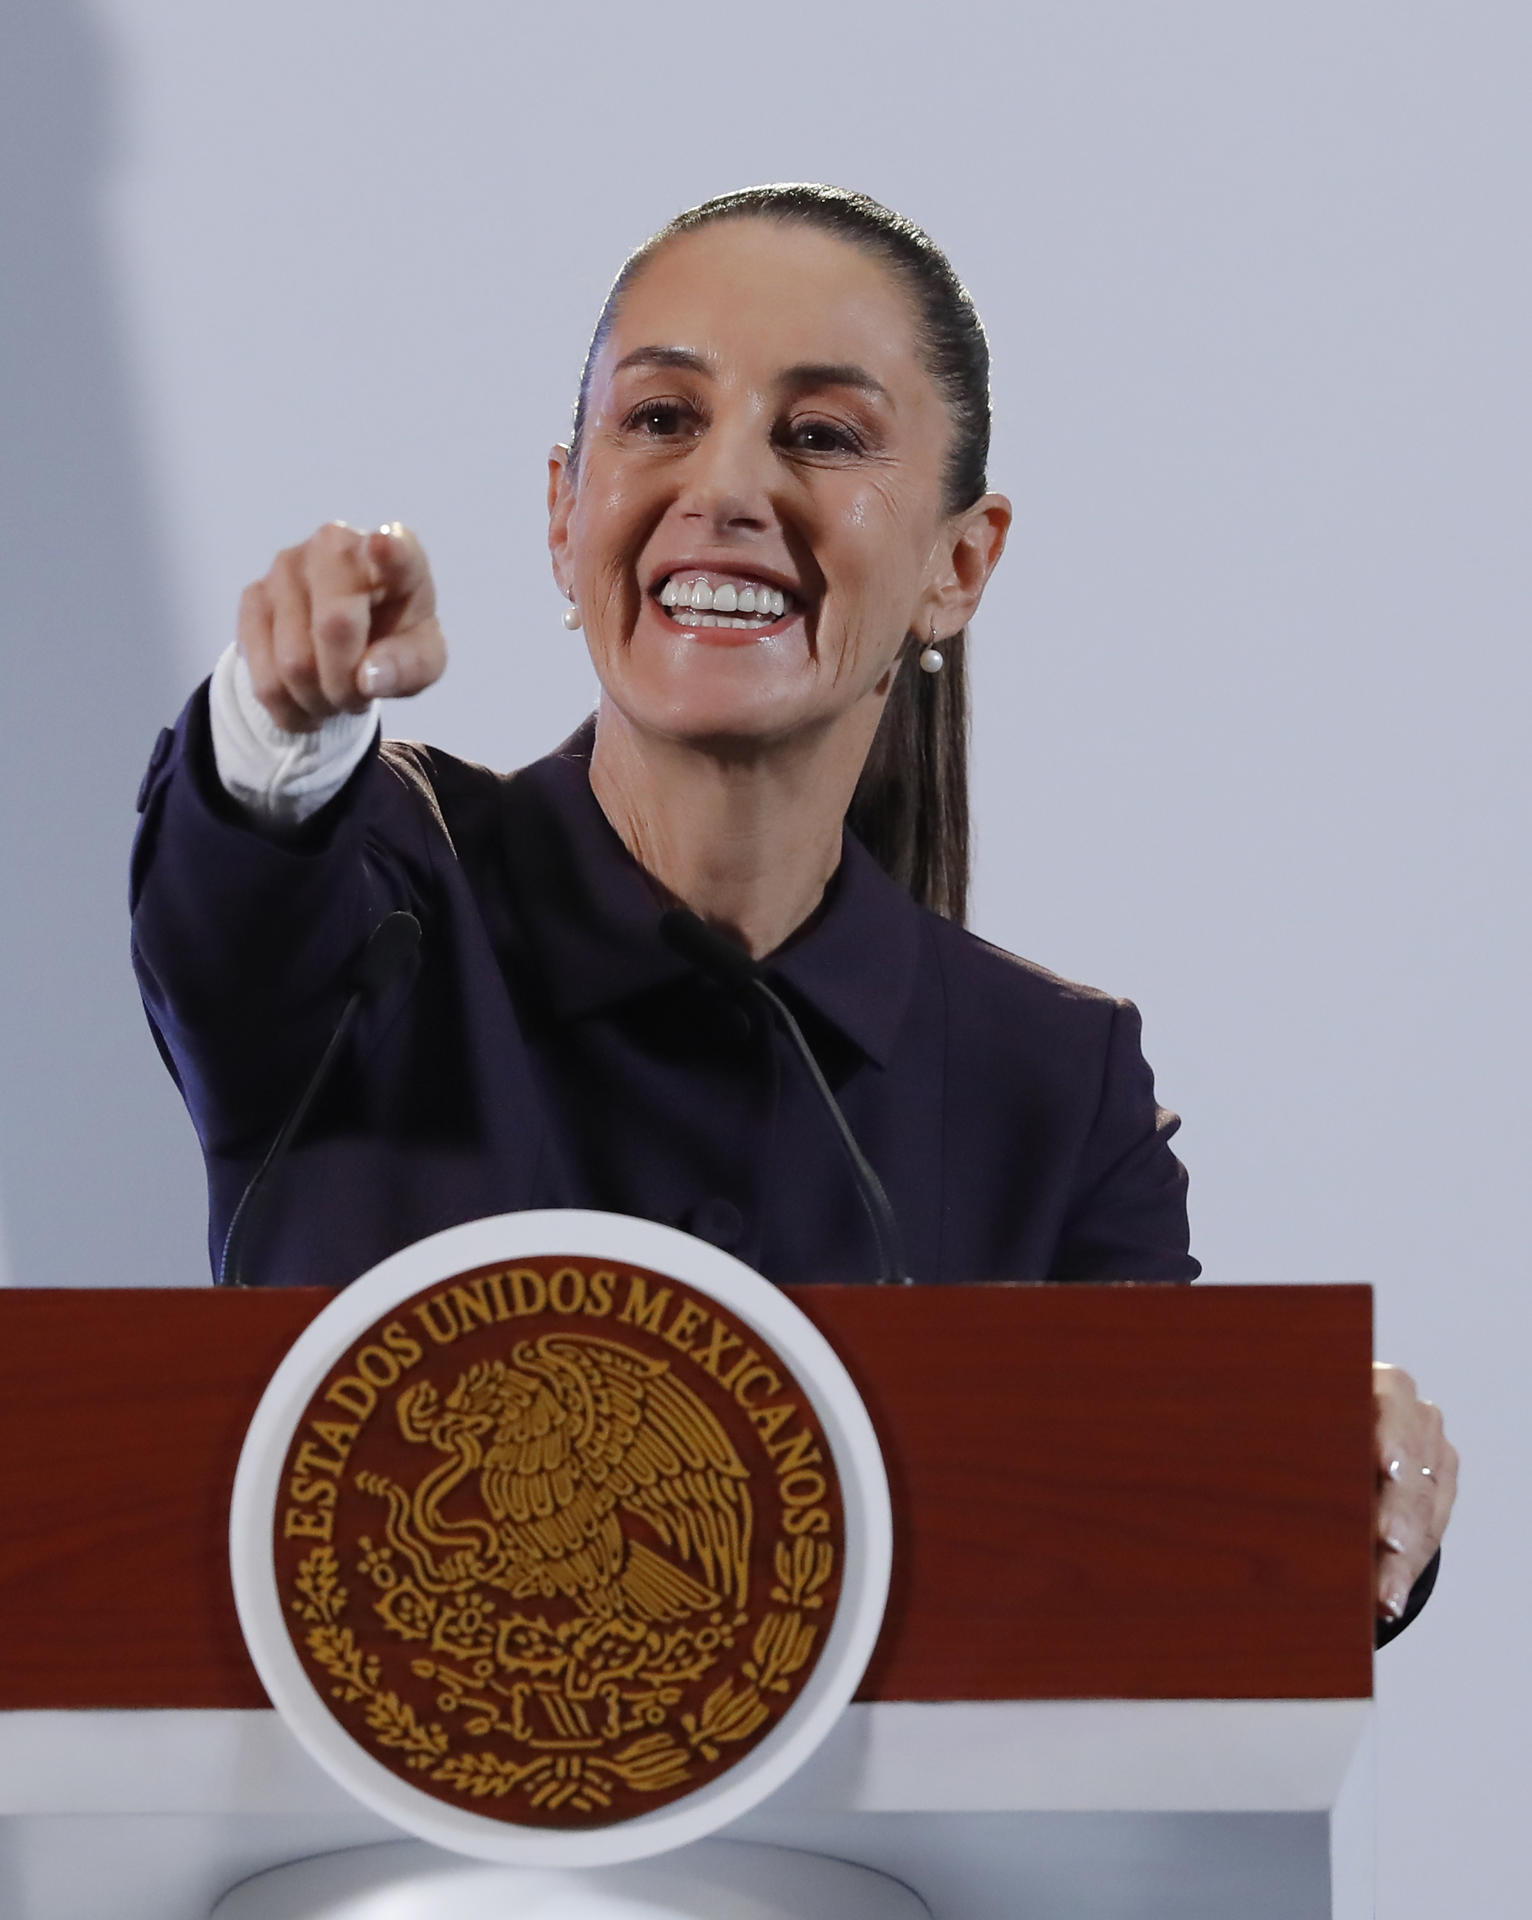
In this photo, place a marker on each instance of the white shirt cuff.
(281, 777)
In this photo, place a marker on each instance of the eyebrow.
(804, 377)
(663, 357)
(833, 373)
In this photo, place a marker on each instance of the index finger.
(401, 576)
(340, 577)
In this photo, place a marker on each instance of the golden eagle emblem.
(562, 1441)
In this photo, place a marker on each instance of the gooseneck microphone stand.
(391, 946)
(730, 967)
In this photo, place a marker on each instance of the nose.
(727, 479)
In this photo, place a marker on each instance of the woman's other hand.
(342, 620)
(1417, 1480)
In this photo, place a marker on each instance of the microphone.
(728, 965)
(391, 946)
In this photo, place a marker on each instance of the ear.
(966, 556)
(561, 493)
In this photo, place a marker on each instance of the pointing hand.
(344, 619)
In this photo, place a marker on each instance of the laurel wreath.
(655, 1762)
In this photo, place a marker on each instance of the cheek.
(882, 526)
(876, 554)
(608, 531)
(615, 504)
(601, 521)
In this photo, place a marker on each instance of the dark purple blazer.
(553, 1051)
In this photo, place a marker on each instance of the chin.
(711, 695)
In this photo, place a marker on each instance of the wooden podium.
(1126, 1667)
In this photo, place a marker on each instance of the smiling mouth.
(697, 599)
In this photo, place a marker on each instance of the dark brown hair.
(910, 808)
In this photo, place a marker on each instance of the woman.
(773, 524)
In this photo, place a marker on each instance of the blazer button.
(718, 1221)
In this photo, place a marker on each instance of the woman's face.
(757, 521)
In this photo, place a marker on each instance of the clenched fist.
(342, 620)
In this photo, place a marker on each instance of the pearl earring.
(573, 618)
(932, 659)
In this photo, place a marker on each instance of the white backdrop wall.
(1252, 684)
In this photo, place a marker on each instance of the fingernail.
(1393, 1606)
(392, 528)
(1395, 1469)
(1393, 1542)
(378, 678)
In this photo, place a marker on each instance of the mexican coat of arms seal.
(559, 1540)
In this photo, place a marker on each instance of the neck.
(746, 836)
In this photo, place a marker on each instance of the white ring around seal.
(582, 1235)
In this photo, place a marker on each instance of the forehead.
(756, 296)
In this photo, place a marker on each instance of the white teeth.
(693, 617)
(769, 603)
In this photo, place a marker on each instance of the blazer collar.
(591, 915)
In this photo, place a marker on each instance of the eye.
(661, 419)
(814, 435)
